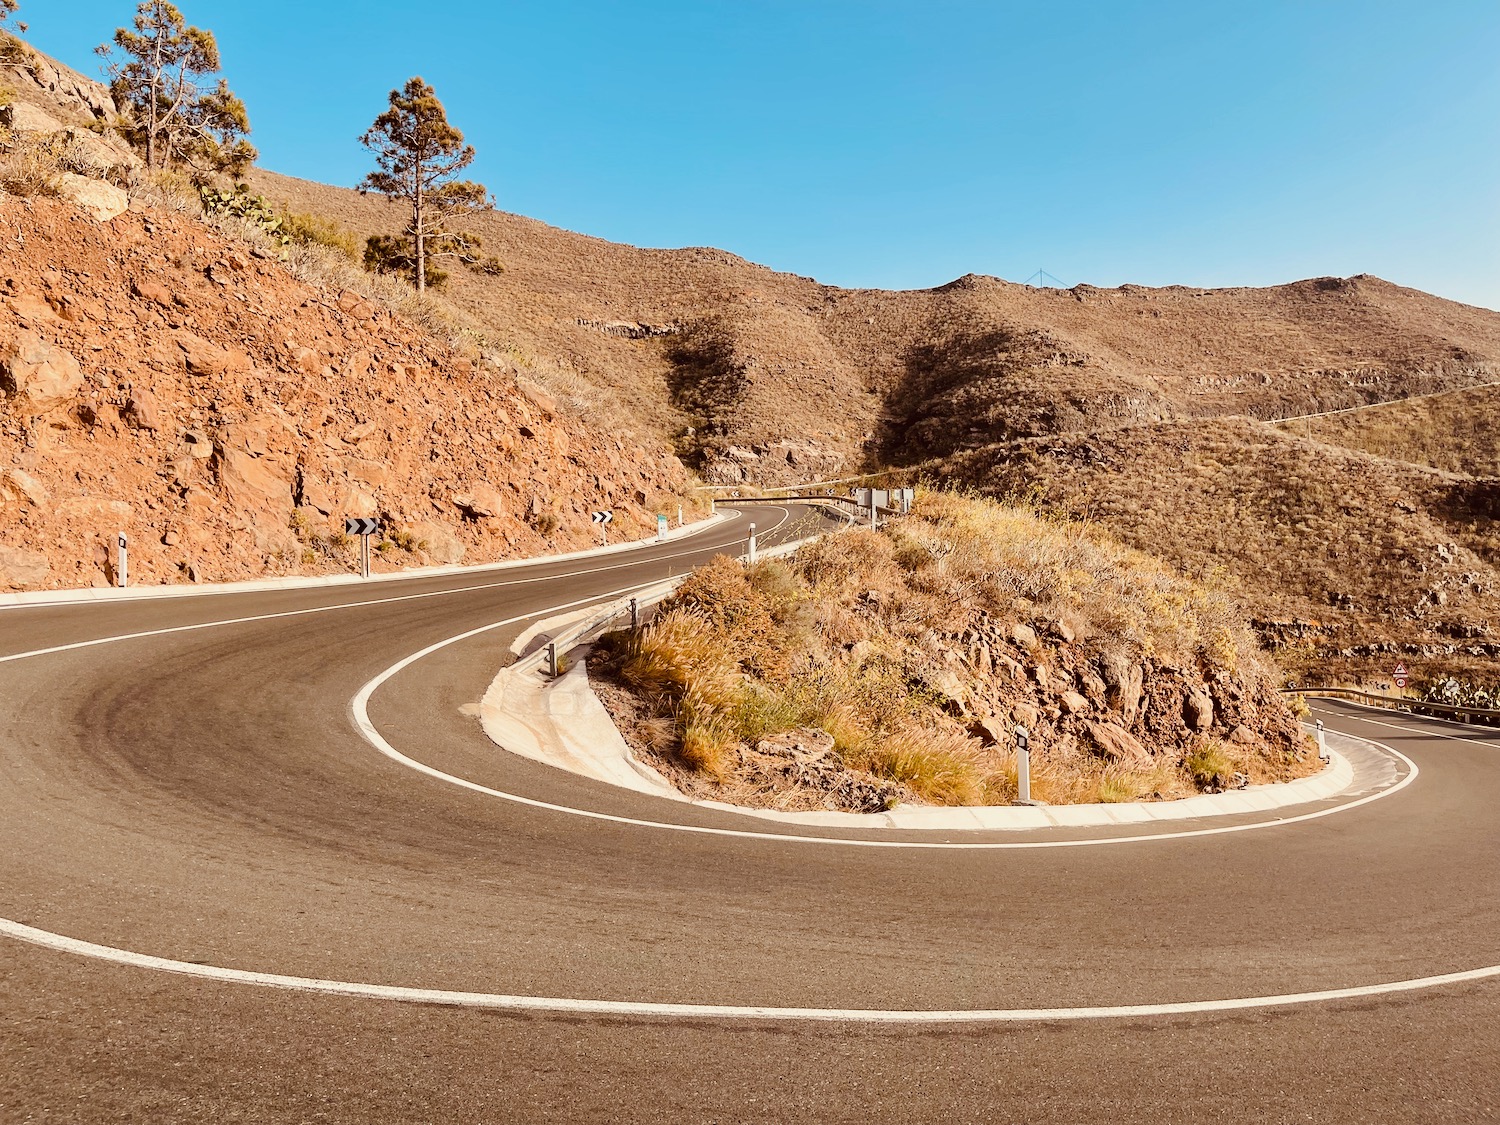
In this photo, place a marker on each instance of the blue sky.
(902, 144)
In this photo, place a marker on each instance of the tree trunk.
(420, 243)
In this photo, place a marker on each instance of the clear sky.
(901, 144)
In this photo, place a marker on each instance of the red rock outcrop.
(161, 380)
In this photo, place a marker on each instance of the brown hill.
(780, 378)
(1349, 561)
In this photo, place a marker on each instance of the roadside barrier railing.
(1480, 715)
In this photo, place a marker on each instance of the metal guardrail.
(1483, 715)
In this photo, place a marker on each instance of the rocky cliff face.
(164, 381)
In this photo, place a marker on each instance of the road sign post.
(603, 520)
(121, 564)
(1399, 676)
(364, 527)
(1023, 765)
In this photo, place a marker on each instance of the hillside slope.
(781, 378)
(1349, 561)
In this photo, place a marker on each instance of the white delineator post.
(1322, 742)
(121, 572)
(1023, 764)
(752, 544)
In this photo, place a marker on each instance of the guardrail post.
(552, 659)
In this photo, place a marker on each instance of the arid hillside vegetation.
(1349, 561)
(875, 667)
(768, 377)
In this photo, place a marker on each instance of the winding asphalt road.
(196, 789)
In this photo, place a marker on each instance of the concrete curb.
(563, 724)
(298, 582)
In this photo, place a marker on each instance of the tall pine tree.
(418, 154)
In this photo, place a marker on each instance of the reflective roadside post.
(1322, 742)
(1023, 764)
(752, 544)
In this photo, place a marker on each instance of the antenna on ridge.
(1043, 277)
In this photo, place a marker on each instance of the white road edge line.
(46, 939)
(359, 708)
(566, 1005)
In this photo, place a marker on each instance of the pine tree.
(161, 78)
(418, 153)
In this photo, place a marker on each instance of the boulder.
(19, 117)
(442, 546)
(41, 375)
(95, 198)
(1024, 635)
(252, 483)
(1124, 681)
(1198, 709)
(110, 157)
(153, 291)
(17, 485)
(209, 360)
(1118, 745)
(20, 567)
(142, 411)
(1072, 703)
(482, 501)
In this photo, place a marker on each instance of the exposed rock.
(20, 568)
(21, 117)
(1198, 708)
(142, 410)
(253, 484)
(1242, 735)
(97, 199)
(1024, 635)
(43, 376)
(104, 514)
(1072, 703)
(1118, 745)
(209, 360)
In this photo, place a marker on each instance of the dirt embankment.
(162, 380)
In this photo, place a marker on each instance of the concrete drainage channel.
(551, 715)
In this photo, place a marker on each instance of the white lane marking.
(561, 1005)
(491, 585)
(1412, 729)
(359, 706)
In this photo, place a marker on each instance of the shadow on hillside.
(959, 392)
(706, 381)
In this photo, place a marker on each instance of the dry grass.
(847, 638)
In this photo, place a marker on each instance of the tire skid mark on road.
(643, 1009)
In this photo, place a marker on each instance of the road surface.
(198, 792)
